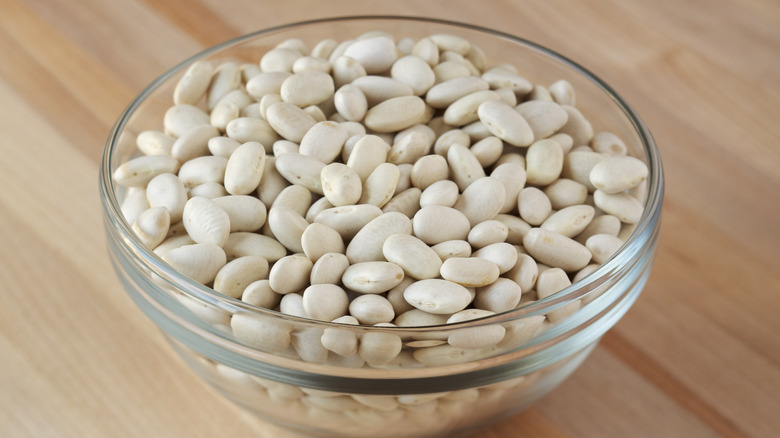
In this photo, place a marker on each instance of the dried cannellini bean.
(603, 246)
(569, 221)
(562, 92)
(349, 219)
(443, 193)
(464, 110)
(602, 224)
(565, 192)
(259, 293)
(534, 206)
(222, 146)
(239, 273)
(369, 152)
(556, 250)
(301, 170)
(504, 122)
(395, 114)
(341, 341)
(544, 162)
(437, 296)
(409, 148)
(429, 169)
(325, 302)
(577, 126)
(139, 171)
(525, 272)
(486, 233)
(445, 93)
(469, 271)
(416, 258)
(341, 185)
(482, 200)
(243, 243)
(367, 244)
(199, 261)
(295, 197)
(329, 268)
(502, 78)
(287, 226)
(464, 166)
(134, 204)
(618, 173)
(406, 202)
(627, 208)
(371, 309)
(266, 83)
(376, 54)
(513, 177)
(290, 274)
(307, 88)
(166, 190)
(544, 117)
(487, 149)
(152, 226)
(154, 143)
(516, 228)
(452, 248)
(289, 121)
(181, 118)
(435, 224)
(246, 213)
(608, 143)
(262, 332)
(318, 239)
(191, 88)
(500, 296)
(226, 78)
(324, 141)
(480, 336)
(380, 185)
(351, 102)
(245, 168)
(205, 221)
(378, 348)
(414, 72)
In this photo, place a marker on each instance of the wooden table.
(698, 355)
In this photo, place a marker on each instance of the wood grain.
(697, 356)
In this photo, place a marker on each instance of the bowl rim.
(646, 227)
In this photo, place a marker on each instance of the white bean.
(395, 114)
(325, 302)
(627, 208)
(349, 219)
(500, 296)
(367, 243)
(324, 141)
(513, 177)
(372, 277)
(287, 226)
(301, 170)
(307, 88)
(205, 221)
(487, 232)
(341, 185)
(139, 171)
(544, 117)
(371, 309)
(239, 273)
(245, 168)
(556, 250)
(479, 336)
(192, 86)
(414, 72)
(318, 239)
(437, 296)
(350, 102)
(464, 110)
(464, 166)
(152, 225)
(376, 54)
(154, 143)
(416, 258)
(469, 271)
(534, 206)
(618, 173)
(243, 243)
(167, 190)
(262, 332)
(199, 261)
(289, 121)
(181, 118)
(290, 274)
(603, 246)
(504, 122)
(443, 193)
(329, 269)
(482, 200)
(435, 224)
(569, 221)
(259, 293)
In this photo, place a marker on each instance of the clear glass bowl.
(431, 388)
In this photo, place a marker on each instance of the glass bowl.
(430, 387)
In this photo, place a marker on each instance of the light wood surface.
(697, 356)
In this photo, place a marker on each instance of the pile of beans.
(379, 182)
